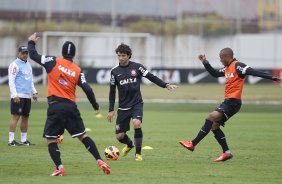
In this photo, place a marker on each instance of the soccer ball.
(111, 153)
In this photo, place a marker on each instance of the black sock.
(91, 147)
(203, 132)
(126, 140)
(55, 153)
(220, 137)
(138, 138)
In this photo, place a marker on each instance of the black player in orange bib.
(63, 77)
(235, 73)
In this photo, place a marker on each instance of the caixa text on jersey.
(127, 81)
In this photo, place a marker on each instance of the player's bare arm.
(110, 116)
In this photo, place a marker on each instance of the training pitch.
(254, 136)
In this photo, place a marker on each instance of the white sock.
(228, 152)
(23, 136)
(11, 136)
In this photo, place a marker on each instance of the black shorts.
(22, 108)
(124, 117)
(228, 107)
(61, 116)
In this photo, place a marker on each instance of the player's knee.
(51, 140)
(214, 116)
(120, 136)
(137, 123)
(137, 126)
(83, 136)
(211, 117)
(16, 117)
(215, 126)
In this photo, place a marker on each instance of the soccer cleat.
(138, 157)
(188, 145)
(26, 143)
(13, 143)
(125, 150)
(59, 172)
(105, 167)
(223, 157)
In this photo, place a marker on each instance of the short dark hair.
(227, 51)
(125, 49)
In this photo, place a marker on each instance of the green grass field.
(254, 136)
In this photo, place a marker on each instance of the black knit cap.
(68, 49)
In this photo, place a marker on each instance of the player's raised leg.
(190, 145)
(92, 148)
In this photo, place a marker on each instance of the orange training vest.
(234, 84)
(62, 79)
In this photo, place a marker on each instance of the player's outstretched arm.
(33, 54)
(209, 68)
(243, 69)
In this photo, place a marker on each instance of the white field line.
(182, 101)
(271, 102)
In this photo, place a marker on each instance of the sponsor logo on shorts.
(117, 127)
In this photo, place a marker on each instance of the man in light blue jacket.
(21, 91)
